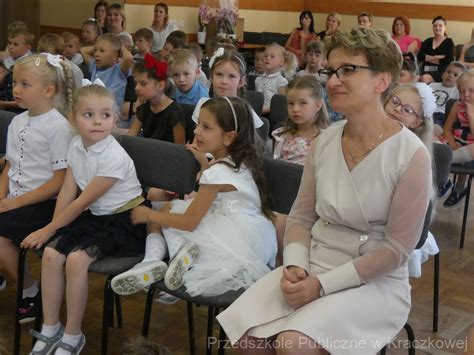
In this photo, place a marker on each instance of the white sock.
(462, 155)
(46, 330)
(174, 243)
(155, 248)
(72, 340)
(31, 291)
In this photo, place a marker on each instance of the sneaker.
(443, 190)
(3, 283)
(166, 298)
(454, 198)
(29, 309)
(139, 277)
(180, 265)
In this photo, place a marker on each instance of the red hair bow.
(161, 68)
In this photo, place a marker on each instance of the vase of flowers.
(206, 14)
(226, 16)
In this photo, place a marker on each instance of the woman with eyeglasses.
(343, 287)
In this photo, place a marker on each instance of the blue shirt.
(191, 97)
(114, 79)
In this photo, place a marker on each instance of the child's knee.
(52, 257)
(78, 261)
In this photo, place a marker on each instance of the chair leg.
(39, 317)
(192, 340)
(466, 207)
(118, 309)
(411, 338)
(148, 306)
(436, 293)
(210, 326)
(19, 298)
(112, 305)
(106, 315)
(383, 351)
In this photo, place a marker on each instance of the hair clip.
(218, 53)
(38, 61)
(161, 68)
(97, 81)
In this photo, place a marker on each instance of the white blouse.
(159, 38)
(36, 147)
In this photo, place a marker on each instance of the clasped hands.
(298, 288)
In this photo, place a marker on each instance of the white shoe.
(180, 265)
(139, 277)
(166, 298)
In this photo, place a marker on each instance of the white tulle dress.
(237, 243)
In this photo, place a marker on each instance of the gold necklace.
(355, 159)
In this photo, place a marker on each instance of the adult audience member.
(467, 53)
(401, 34)
(301, 36)
(161, 26)
(436, 52)
(345, 273)
(100, 14)
(364, 19)
(117, 22)
(333, 21)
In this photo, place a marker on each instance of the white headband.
(233, 113)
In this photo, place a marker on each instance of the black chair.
(281, 176)
(253, 37)
(5, 119)
(469, 55)
(275, 37)
(264, 131)
(255, 99)
(464, 169)
(278, 110)
(251, 81)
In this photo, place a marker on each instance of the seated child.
(444, 91)
(180, 35)
(7, 101)
(103, 61)
(143, 42)
(197, 50)
(410, 71)
(222, 239)
(259, 66)
(272, 82)
(72, 46)
(183, 68)
(90, 31)
(20, 43)
(159, 117)
(307, 117)
(171, 44)
(314, 57)
(458, 133)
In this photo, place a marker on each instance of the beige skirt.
(359, 320)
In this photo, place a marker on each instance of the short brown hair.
(365, 14)
(181, 35)
(182, 56)
(68, 36)
(113, 39)
(144, 33)
(51, 43)
(316, 47)
(406, 23)
(25, 32)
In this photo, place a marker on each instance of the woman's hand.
(140, 214)
(36, 239)
(298, 288)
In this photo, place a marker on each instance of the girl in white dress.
(225, 232)
(343, 288)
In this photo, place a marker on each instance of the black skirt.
(17, 224)
(101, 236)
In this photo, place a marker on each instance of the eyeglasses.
(343, 72)
(407, 110)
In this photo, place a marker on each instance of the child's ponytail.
(68, 88)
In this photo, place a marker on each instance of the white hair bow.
(428, 100)
(217, 54)
(97, 81)
(54, 59)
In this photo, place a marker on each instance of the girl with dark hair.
(225, 232)
(436, 52)
(301, 36)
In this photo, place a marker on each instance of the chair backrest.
(448, 107)
(251, 82)
(426, 226)
(283, 181)
(162, 164)
(255, 99)
(275, 37)
(5, 120)
(253, 37)
(443, 156)
(264, 131)
(278, 109)
(469, 55)
(190, 125)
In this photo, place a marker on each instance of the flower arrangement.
(227, 15)
(206, 14)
